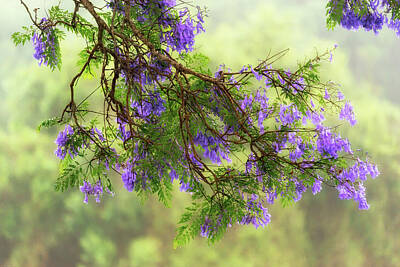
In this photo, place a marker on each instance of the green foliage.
(82, 27)
(49, 123)
(22, 37)
(70, 172)
(43, 228)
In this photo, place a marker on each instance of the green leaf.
(49, 123)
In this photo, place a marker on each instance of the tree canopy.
(235, 140)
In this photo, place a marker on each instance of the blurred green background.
(40, 227)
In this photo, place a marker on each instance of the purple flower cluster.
(347, 178)
(370, 21)
(373, 18)
(360, 170)
(205, 228)
(315, 118)
(270, 196)
(302, 147)
(185, 187)
(299, 146)
(249, 102)
(181, 35)
(300, 189)
(178, 28)
(325, 144)
(129, 176)
(133, 171)
(152, 104)
(317, 185)
(255, 207)
(117, 5)
(95, 190)
(214, 147)
(288, 114)
(330, 144)
(40, 47)
(45, 47)
(96, 133)
(265, 110)
(347, 113)
(347, 191)
(137, 71)
(63, 144)
(148, 109)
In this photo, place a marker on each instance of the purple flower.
(151, 105)
(63, 144)
(258, 215)
(347, 113)
(100, 134)
(361, 198)
(45, 46)
(340, 96)
(329, 144)
(184, 187)
(271, 196)
(289, 114)
(346, 191)
(299, 190)
(173, 175)
(214, 148)
(316, 187)
(327, 96)
(205, 228)
(86, 189)
(374, 18)
(179, 33)
(129, 177)
(95, 190)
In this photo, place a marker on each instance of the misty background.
(41, 227)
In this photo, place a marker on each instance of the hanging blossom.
(347, 113)
(290, 143)
(177, 30)
(129, 176)
(348, 191)
(255, 206)
(214, 147)
(326, 145)
(181, 35)
(288, 114)
(45, 46)
(183, 186)
(375, 17)
(300, 189)
(329, 144)
(249, 103)
(95, 190)
(317, 185)
(64, 144)
(96, 133)
(206, 228)
(153, 104)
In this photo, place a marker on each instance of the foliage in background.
(300, 235)
(166, 116)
